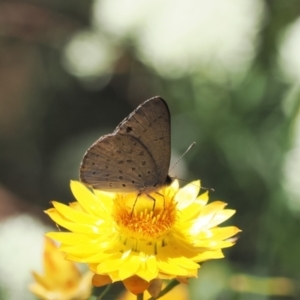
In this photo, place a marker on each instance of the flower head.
(61, 280)
(138, 238)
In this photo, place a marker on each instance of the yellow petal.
(41, 280)
(222, 233)
(130, 266)
(187, 195)
(61, 278)
(202, 199)
(86, 198)
(75, 215)
(210, 254)
(69, 238)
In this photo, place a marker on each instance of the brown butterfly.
(136, 156)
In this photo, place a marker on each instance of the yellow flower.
(138, 238)
(62, 280)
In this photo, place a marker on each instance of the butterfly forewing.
(150, 123)
(136, 156)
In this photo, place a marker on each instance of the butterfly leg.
(135, 201)
(153, 199)
(163, 197)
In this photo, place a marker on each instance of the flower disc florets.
(148, 218)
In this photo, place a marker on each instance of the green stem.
(140, 296)
(104, 292)
(168, 288)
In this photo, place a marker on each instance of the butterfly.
(136, 156)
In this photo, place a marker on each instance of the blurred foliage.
(48, 118)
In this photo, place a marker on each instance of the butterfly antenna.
(181, 157)
(207, 188)
(202, 187)
(185, 152)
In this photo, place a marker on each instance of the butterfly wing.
(117, 163)
(150, 124)
(136, 156)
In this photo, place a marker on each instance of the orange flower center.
(145, 217)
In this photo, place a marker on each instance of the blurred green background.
(71, 70)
